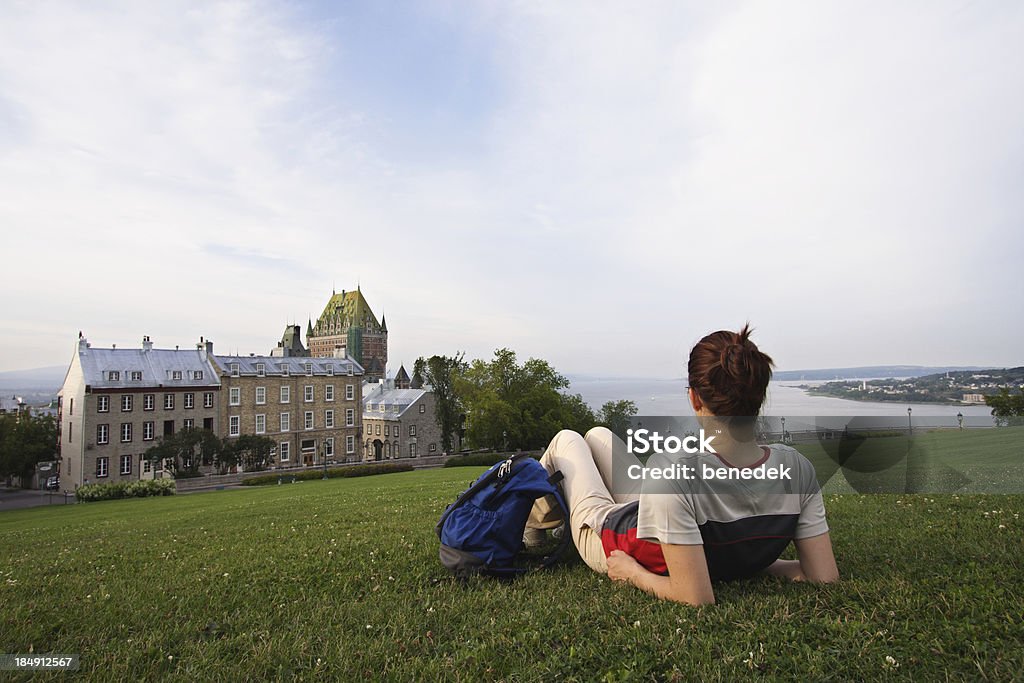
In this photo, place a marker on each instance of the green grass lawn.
(340, 580)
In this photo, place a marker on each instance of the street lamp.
(783, 430)
(323, 446)
(910, 425)
(504, 441)
(960, 420)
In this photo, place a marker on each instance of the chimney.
(205, 348)
(147, 345)
(83, 343)
(340, 352)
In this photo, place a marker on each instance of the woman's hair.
(729, 373)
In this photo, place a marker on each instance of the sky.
(596, 184)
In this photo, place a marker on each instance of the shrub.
(332, 473)
(125, 489)
(480, 459)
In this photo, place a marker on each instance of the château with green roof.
(348, 323)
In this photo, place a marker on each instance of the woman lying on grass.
(673, 538)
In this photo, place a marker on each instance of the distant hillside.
(37, 379)
(879, 371)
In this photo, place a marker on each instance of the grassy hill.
(340, 580)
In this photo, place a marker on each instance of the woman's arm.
(817, 564)
(687, 582)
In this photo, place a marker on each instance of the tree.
(1007, 408)
(254, 452)
(615, 416)
(441, 373)
(185, 451)
(518, 406)
(25, 440)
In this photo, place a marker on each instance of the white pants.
(588, 469)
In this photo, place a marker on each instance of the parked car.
(52, 484)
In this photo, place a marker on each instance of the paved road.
(16, 499)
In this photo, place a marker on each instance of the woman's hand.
(621, 566)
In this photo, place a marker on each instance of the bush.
(332, 473)
(480, 459)
(125, 489)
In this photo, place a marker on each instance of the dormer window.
(198, 374)
(330, 370)
(309, 369)
(285, 371)
(351, 370)
(176, 374)
(234, 369)
(261, 370)
(136, 375)
(114, 375)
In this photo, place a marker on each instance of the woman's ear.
(695, 400)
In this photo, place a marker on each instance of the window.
(286, 422)
(307, 393)
(126, 403)
(189, 423)
(285, 370)
(126, 432)
(102, 434)
(394, 448)
(286, 394)
(350, 392)
(330, 370)
(350, 417)
(350, 444)
(261, 424)
(329, 447)
(433, 448)
(71, 407)
(190, 401)
(70, 426)
(208, 423)
(233, 425)
(378, 430)
(234, 369)
(329, 392)
(235, 396)
(126, 464)
(387, 430)
(208, 399)
(261, 395)
(176, 374)
(351, 370)
(198, 374)
(148, 401)
(101, 467)
(114, 375)
(412, 450)
(261, 370)
(148, 431)
(168, 428)
(168, 401)
(412, 430)
(136, 376)
(309, 369)
(102, 404)
(309, 419)
(423, 408)
(285, 451)
(328, 419)
(146, 465)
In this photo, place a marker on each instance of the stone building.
(116, 403)
(348, 323)
(309, 407)
(400, 423)
(290, 345)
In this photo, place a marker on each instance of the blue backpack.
(482, 531)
